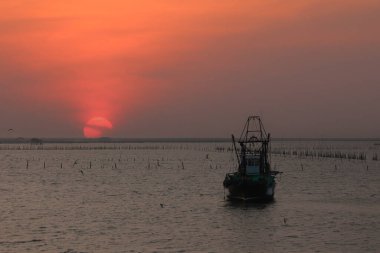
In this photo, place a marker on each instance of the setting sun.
(96, 127)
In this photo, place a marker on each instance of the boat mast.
(236, 152)
(253, 139)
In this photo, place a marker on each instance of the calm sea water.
(170, 198)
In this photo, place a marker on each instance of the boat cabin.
(252, 164)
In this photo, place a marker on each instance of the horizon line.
(24, 140)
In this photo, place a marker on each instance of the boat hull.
(250, 188)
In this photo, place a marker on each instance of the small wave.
(20, 242)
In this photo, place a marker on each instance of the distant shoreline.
(163, 140)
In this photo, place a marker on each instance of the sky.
(173, 68)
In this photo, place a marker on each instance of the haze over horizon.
(189, 69)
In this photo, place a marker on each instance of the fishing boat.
(253, 178)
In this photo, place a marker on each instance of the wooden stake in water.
(27, 164)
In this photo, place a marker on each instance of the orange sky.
(190, 68)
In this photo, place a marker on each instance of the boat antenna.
(236, 152)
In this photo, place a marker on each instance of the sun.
(96, 127)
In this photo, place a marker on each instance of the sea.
(169, 197)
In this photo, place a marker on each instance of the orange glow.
(96, 127)
(125, 60)
(90, 132)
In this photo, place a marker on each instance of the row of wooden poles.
(114, 147)
(326, 154)
(312, 153)
(153, 162)
(114, 165)
(337, 154)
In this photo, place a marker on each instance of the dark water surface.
(169, 198)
